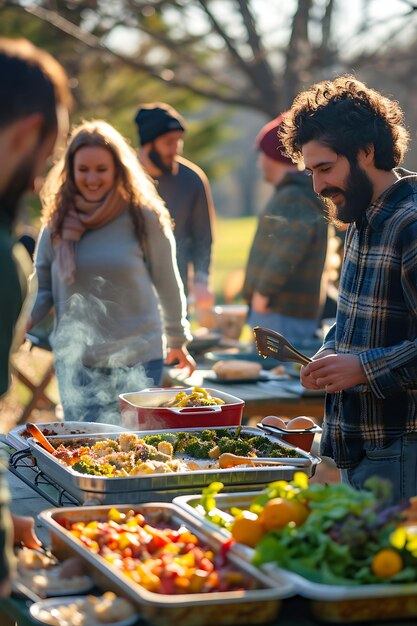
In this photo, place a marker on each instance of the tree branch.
(93, 42)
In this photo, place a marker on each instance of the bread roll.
(237, 369)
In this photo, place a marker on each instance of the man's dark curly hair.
(346, 115)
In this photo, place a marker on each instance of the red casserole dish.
(144, 410)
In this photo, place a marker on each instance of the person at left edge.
(33, 115)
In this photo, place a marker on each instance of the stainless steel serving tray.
(198, 609)
(93, 490)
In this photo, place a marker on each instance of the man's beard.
(357, 194)
(156, 159)
(21, 181)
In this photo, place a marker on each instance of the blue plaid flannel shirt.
(377, 319)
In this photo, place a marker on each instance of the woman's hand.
(184, 358)
(333, 372)
(24, 531)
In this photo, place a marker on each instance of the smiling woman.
(106, 262)
(94, 172)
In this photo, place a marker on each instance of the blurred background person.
(106, 261)
(185, 190)
(285, 282)
(33, 114)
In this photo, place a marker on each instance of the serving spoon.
(40, 437)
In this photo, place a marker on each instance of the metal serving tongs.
(270, 343)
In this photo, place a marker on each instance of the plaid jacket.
(288, 252)
(377, 319)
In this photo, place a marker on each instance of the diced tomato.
(167, 585)
(206, 565)
(64, 522)
(226, 545)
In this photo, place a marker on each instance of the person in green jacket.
(32, 116)
(285, 283)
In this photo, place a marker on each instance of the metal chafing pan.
(223, 608)
(94, 490)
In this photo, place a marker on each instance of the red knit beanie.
(269, 142)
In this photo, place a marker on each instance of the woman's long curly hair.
(346, 116)
(135, 186)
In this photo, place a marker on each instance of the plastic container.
(144, 410)
(255, 606)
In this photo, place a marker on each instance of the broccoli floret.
(234, 446)
(278, 451)
(199, 449)
(208, 435)
(86, 466)
(223, 432)
(259, 443)
(181, 441)
(153, 440)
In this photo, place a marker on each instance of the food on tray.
(154, 552)
(46, 576)
(33, 559)
(104, 609)
(234, 369)
(130, 455)
(198, 397)
(331, 534)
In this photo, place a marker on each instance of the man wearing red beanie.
(285, 284)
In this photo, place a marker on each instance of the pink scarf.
(80, 217)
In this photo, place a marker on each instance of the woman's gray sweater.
(114, 312)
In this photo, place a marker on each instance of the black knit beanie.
(153, 123)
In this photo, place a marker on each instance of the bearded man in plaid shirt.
(352, 140)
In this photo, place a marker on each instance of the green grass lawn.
(233, 238)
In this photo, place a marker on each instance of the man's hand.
(184, 358)
(260, 303)
(333, 372)
(24, 531)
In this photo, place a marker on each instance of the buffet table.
(294, 611)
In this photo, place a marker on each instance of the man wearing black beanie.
(186, 191)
